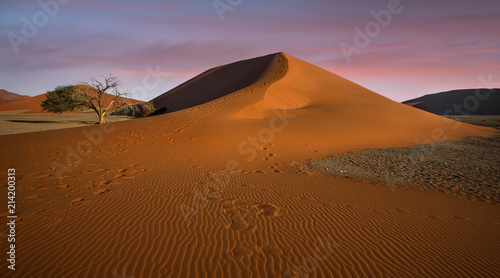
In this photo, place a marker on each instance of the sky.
(401, 49)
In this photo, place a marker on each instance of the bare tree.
(96, 94)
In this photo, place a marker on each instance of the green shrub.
(62, 99)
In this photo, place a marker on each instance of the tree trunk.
(101, 117)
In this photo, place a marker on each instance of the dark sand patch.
(467, 168)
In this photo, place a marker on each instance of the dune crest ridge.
(272, 99)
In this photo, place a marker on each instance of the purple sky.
(426, 46)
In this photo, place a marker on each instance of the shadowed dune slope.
(460, 102)
(213, 84)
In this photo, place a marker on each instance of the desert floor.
(13, 122)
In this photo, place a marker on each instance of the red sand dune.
(6, 96)
(32, 104)
(219, 189)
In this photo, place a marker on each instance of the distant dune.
(6, 96)
(220, 187)
(32, 104)
(460, 102)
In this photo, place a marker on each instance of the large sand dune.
(219, 189)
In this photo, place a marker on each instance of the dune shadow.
(214, 83)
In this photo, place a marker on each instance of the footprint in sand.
(240, 251)
(38, 211)
(104, 183)
(240, 213)
(270, 250)
(77, 200)
(259, 172)
(33, 197)
(238, 225)
(273, 168)
(269, 210)
(101, 191)
(403, 210)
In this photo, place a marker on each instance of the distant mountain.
(460, 102)
(6, 96)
